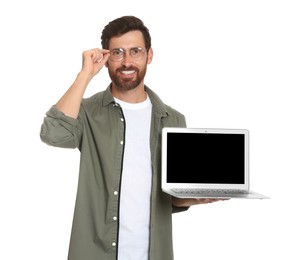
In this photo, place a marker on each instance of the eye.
(117, 52)
(136, 51)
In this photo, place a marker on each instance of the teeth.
(127, 72)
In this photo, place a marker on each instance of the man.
(120, 212)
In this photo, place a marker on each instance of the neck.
(135, 95)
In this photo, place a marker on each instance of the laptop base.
(189, 195)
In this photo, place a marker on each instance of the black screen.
(205, 158)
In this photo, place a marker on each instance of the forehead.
(127, 40)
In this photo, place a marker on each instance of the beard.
(127, 84)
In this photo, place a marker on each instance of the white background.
(221, 63)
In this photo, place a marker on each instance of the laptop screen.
(208, 158)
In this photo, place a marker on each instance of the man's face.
(128, 73)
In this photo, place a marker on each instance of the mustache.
(127, 68)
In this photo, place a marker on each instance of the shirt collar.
(158, 105)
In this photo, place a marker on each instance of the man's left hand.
(177, 202)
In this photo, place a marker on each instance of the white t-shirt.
(136, 182)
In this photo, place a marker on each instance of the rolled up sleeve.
(60, 130)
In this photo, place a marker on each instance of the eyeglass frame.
(124, 51)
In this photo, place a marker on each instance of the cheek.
(110, 67)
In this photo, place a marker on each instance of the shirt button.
(115, 193)
(122, 119)
(113, 244)
(121, 142)
(114, 218)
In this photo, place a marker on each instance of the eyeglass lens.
(118, 54)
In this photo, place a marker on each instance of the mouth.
(128, 73)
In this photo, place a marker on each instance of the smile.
(127, 72)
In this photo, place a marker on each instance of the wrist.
(84, 76)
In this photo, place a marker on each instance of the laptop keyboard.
(211, 192)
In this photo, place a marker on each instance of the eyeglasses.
(118, 54)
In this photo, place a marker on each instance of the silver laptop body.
(206, 163)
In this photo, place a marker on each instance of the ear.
(150, 55)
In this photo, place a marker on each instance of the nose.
(127, 60)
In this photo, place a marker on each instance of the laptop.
(206, 163)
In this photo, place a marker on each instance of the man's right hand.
(93, 61)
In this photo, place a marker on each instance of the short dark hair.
(123, 25)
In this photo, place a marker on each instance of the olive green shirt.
(99, 134)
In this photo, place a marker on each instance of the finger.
(104, 51)
(99, 55)
(96, 55)
(105, 55)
